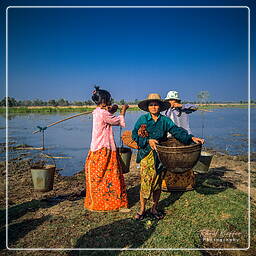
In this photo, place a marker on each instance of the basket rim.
(180, 147)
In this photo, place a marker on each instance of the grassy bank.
(217, 106)
(21, 110)
(214, 215)
(88, 108)
(18, 110)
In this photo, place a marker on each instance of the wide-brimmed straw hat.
(143, 105)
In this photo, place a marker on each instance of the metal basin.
(177, 157)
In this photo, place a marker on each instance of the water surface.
(224, 130)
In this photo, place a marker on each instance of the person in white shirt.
(179, 112)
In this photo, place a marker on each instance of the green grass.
(82, 109)
(226, 106)
(187, 214)
(42, 110)
(215, 205)
(181, 226)
(24, 110)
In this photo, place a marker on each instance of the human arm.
(116, 120)
(123, 109)
(181, 134)
(176, 105)
(112, 109)
(189, 108)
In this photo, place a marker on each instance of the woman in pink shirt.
(105, 187)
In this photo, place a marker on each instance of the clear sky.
(62, 53)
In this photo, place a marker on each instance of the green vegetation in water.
(17, 110)
(43, 110)
(226, 106)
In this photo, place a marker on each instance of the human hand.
(123, 109)
(198, 140)
(152, 143)
(176, 105)
(113, 109)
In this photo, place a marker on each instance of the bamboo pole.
(83, 113)
(30, 148)
(57, 157)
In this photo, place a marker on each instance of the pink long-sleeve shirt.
(102, 134)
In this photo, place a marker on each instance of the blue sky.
(62, 53)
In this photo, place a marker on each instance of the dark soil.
(37, 217)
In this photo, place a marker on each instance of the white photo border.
(128, 249)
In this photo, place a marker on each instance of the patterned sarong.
(150, 180)
(105, 187)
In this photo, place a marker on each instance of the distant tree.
(136, 102)
(11, 102)
(19, 103)
(62, 102)
(27, 103)
(3, 102)
(203, 96)
(52, 103)
(122, 102)
(78, 103)
(88, 103)
(37, 102)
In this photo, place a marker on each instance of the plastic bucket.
(125, 158)
(43, 178)
(203, 164)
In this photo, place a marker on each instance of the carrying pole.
(83, 113)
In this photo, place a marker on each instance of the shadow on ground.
(206, 183)
(128, 233)
(19, 230)
(171, 199)
(18, 210)
(133, 195)
(212, 182)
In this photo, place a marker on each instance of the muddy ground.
(233, 169)
(68, 194)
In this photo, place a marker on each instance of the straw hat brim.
(143, 105)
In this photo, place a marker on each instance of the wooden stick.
(83, 113)
(57, 157)
(30, 148)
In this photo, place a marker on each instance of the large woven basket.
(177, 157)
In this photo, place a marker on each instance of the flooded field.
(225, 130)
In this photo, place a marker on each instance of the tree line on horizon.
(12, 102)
